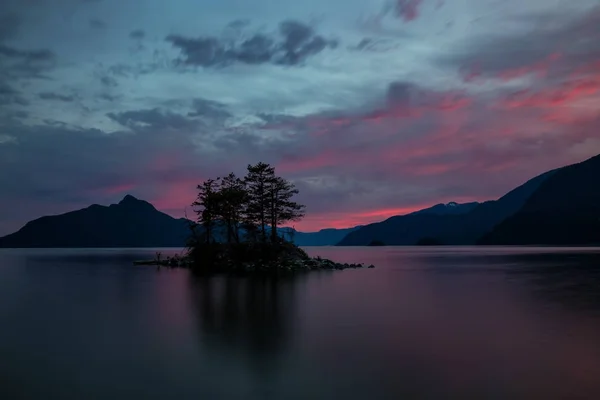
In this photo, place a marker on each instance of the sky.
(372, 108)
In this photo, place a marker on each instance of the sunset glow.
(379, 110)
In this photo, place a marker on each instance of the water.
(505, 323)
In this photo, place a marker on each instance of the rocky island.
(237, 228)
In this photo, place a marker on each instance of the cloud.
(6, 90)
(154, 119)
(417, 145)
(6, 139)
(294, 43)
(108, 97)
(137, 34)
(96, 23)
(408, 9)
(57, 97)
(108, 81)
(85, 165)
(10, 96)
(17, 63)
(300, 42)
(209, 108)
(395, 118)
(558, 42)
(28, 55)
(375, 45)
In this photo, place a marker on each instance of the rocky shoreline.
(291, 265)
(299, 265)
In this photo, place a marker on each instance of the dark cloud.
(555, 43)
(57, 97)
(400, 93)
(375, 45)
(9, 95)
(108, 81)
(294, 43)
(17, 63)
(107, 73)
(209, 108)
(28, 55)
(108, 97)
(6, 89)
(256, 50)
(238, 24)
(96, 23)
(300, 42)
(121, 70)
(137, 34)
(205, 52)
(153, 119)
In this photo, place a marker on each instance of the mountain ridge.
(464, 227)
(564, 210)
(129, 223)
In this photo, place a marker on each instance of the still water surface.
(501, 323)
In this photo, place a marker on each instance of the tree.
(257, 180)
(281, 208)
(232, 200)
(254, 203)
(207, 203)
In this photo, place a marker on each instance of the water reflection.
(254, 316)
(571, 279)
(426, 323)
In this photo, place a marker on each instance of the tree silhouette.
(280, 207)
(206, 206)
(256, 203)
(259, 177)
(231, 200)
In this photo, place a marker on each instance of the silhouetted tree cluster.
(256, 204)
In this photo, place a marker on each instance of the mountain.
(447, 224)
(564, 210)
(130, 223)
(324, 237)
(451, 208)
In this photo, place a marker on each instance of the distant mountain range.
(559, 207)
(130, 223)
(451, 224)
(324, 237)
(564, 210)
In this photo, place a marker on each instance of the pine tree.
(281, 208)
(232, 201)
(257, 180)
(207, 203)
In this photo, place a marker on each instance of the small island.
(237, 228)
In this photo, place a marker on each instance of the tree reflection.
(249, 316)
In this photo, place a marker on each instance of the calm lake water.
(501, 323)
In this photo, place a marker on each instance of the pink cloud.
(476, 73)
(408, 9)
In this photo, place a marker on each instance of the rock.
(371, 266)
